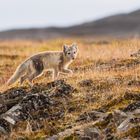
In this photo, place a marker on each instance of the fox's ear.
(74, 45)
(65, 48)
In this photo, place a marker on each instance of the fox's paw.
(70, 72)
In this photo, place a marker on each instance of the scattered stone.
(133, 106)
(124, 125)
(54, 137)
(119, 116)
(93, 133)
(93, 115)
(11, 98)
(5, 127)
(85, 83)
(104, 120)
(13, 93)
(130, 127)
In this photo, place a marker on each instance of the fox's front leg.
(55, 74)
(67, 71)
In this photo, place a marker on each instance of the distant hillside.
(117, 26)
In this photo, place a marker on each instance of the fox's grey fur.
(58, 61)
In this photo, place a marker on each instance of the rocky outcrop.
(19, 104)
(100, 126)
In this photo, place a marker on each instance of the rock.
(85, 83)
(94, 133)
(5, 126)
(55, 137)
(124, 126)
(133, 106)
(34, 105)
(133, 132)
(13, 93)
(136, 112)
(11, 98)
(130, 126)
(119, 116)
(93, 115)
(25, 109)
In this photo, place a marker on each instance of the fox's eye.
(74, 52)
(68, 53)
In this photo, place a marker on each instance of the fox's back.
(48, 59)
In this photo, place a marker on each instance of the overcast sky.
(44, 13)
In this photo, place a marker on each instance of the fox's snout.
(73, 58)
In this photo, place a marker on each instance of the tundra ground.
(105, 85)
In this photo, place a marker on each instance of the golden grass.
(12, 53)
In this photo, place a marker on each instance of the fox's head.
(71, 51)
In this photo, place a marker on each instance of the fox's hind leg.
(23, 78)
(36, 67)
(32, 77)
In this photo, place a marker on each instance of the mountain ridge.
(120, 25)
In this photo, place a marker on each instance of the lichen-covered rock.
(93, 133)
(93, 115)
(133, 106)
(36, 104)
(26, 108)
(11, 98)
(129, 127)
(5, 126)
(119, 117)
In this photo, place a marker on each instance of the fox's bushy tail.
(18, 73)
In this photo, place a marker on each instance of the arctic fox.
(57, 61)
